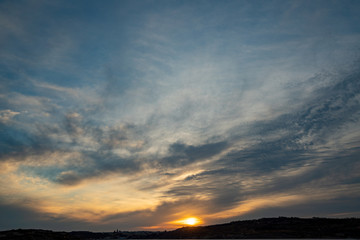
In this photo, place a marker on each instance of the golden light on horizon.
(191, 221)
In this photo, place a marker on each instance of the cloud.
(96, 151)
(180, 154)
(68, 178)
(161, 216)
(16, 217)
(270, 160)
(285, 154)
(216, 109)
(7, 115)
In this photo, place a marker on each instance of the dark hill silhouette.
(36, 234)
(281, 227)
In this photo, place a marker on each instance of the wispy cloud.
(7, 115)
(137, 114)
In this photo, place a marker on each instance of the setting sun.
(191, 221)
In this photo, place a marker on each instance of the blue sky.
(135, 115)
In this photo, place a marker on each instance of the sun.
(191, 221)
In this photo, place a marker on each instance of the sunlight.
(191, 221)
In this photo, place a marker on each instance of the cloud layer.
(133, 115)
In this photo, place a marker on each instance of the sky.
(136, 115)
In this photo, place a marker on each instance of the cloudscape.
(150, 115)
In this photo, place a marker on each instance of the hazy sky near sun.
(134, 115)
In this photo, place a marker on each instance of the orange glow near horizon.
(191, 221)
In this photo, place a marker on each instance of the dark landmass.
(273, 228)
(265, 228)
(35, 234)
